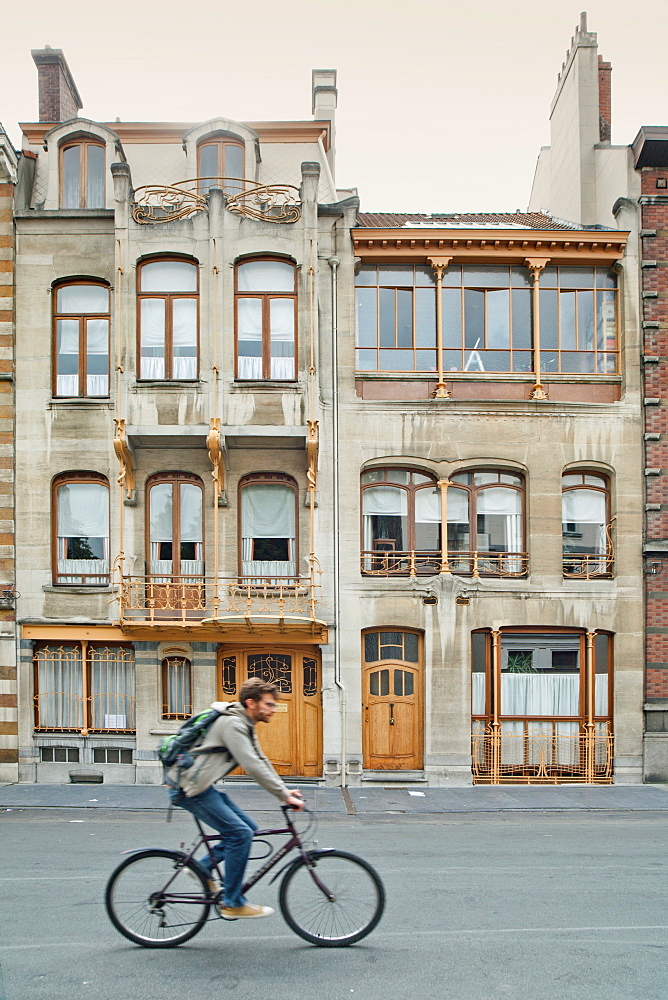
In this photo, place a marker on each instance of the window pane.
(384, 682)
(404, 318)
(584, 519)
(208, 161)
(95, 177)
(548, 278)
(282, 336)
(169, 276)
(366, 317)
(67, 365)
(391, 645)
(82, 299)
(425, 361)
(371, 647)
(396, 276)
(152, 338)
(396, 361)
(487, 276)
(522, 361)
(605, 278)
(576, 277)
(71, 179)
(521, 304)
(184, 338)
(549, 324)
(578, 363)
(540, 675)
(425, 318)
(397, 476)
(83, 510)
(410, 648)
(498, 319)
(408, 683)
(452, 276)
(586, 321)
(424, 276)
(399, 683)
(452, 318)
(367, 361)
(234, 161)
(474, 312)
(266, 276)
(489, 361)
(367, 275)
(373, 683)
(567, 324)
(97, 357)
(520, 277)
(452, 361)
(606, 325)
(387, 317)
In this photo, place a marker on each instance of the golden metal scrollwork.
(157, 203)
(312, 454)
(215, 450)
(125, 459)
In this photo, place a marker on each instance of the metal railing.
(586, 565)
(158, 203)
(543, 752)
(391, 562)
(153, 600)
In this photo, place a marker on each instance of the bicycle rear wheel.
(152, 899)
(341, 907)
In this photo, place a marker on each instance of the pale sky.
(443, 105)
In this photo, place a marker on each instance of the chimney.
(323, 105)
(58, 95)
(604, 100)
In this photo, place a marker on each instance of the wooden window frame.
(411, 489)
(168, 299)
(559, 351)
(175, 479)
(221, 142)
(61, 480)
(83, 319)
(265, 298)
(84, 649)
(84, 145)
(606, 490)
(166, 713)
(474, 491)
(267, 479)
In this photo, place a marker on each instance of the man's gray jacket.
(229, 742)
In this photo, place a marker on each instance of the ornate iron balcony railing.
(542, 752)
(380, 562)
(157, 203)
(585, 565)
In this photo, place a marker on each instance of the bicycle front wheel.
(334, 900)
(155, 900)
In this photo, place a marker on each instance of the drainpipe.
(334, 263)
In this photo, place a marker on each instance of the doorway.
(392, 707)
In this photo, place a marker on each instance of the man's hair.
(255, 688)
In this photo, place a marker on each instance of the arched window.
(587, 544)
(175, 526)
(268, 527)
(220, 157)
(266, 311)
(81, 339)
(82, 174)
(81, 523)
(492, 501)
(176, 688)
(401, 522)
(168, 319)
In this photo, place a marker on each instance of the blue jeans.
(217, 810)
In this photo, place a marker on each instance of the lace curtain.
(83, 515)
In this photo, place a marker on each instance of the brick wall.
(604, 100)
(654, 272)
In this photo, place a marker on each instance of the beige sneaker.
(248, 912)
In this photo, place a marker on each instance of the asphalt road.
(557, 905)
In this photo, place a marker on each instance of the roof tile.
(456, 220)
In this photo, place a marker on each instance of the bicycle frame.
(293, 843)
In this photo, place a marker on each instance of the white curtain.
(249, 338)
(267, 511)
(59, 688)
(507, 504)
(68, 385)
(428, 506)
(176, 696)
(97, 357)
(112, 689)
(184, 338)
(384, 501)
(266, 276)
(540, 745)
(83, 513)
(152, 338)
(586, 509)
(282, 338)
(67, 382)
(161, 529)
(169, 276)
(537, 694)
(478, 693)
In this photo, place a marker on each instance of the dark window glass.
(384, 683)
(371, 647)
(410, 647)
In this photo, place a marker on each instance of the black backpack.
(174, 749)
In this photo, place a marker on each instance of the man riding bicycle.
(231, 742)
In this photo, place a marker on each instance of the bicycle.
(329, 898)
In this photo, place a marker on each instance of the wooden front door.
(392, 726)
(293, 739)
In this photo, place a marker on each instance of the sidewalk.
(354, 801)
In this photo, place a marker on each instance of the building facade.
(582, 176)
(391, 462)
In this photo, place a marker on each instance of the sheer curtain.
(249, 338)
(161, 530)
(83, 515)
(184, 338)
(379, 502)
(67, 368)
(584, 524)
(97, 357)
(506, 507)
(459, 529)
(267, 511)
(153, 338)
(59, 687)
(112, 688)
(282, 327)
(176, 694)
(190, 509)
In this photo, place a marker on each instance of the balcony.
(206, 606)
(160, 203)
(392, 562)
(542, 752)
(588, 565)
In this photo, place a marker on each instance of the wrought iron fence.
(542, 752)
(391, 562)
(157, 203)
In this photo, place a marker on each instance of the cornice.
(173, 132)
(509, 245)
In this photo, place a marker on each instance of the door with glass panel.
(175, 538)
(392, 707)
(293, 739)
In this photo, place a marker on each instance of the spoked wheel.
(334, 901)
(155, 902)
